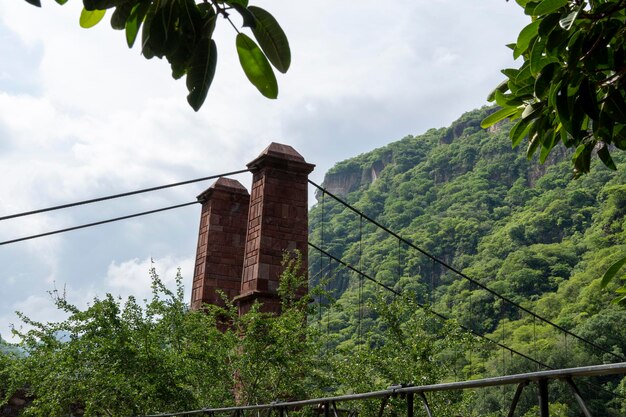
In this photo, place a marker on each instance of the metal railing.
(328, 405)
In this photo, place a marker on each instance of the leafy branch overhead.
(182, 32)
(570, 87)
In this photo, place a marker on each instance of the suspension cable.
(126, 194)
(83, 226)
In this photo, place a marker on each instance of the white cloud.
(132, 277)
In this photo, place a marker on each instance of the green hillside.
(529, 232)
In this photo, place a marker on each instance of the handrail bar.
(585, 371)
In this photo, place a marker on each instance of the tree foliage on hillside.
(570, 88)
(526, 230)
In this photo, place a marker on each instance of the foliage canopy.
(182, 32)
(570, 88)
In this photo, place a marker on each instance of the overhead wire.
(83, 226)
(125, 194)
(324, 191)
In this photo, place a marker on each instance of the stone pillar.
(221, 242)
(277, 221)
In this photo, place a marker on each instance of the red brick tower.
(221, 241)
(277, 221)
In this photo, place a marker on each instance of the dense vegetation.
(527, 231)
(125, 358)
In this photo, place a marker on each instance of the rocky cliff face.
(344, 180)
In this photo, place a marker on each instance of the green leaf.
(533, 144)
(568, 21)
(519, 132)
(536, 56)
(90, 18)
(102, 4)
(605, 157)
(271, 38)
(621, 301)
(615, 106)
(563, 108)
(497, 116)
(547, 144)
(544, 80)
(121, 15)
(556, 39)
(35, 2)
(612, 271)
(588, 99)
(501, 88)
(246, 15)
(201, 72)
(61, 2)
(506, 100)
(548, 24)
(146, 49)
(164, 38)
(531, 111)
(510, 72)
(524, 76)
(208, 20)
(549, 6)
(134, 21)
(582, 158)
(619, 137)
(256, 66)
(525, 37)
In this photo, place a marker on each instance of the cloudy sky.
(82, 116)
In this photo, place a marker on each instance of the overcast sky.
(83, 116)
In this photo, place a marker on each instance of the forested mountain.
(530, 232)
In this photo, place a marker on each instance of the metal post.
(518, 393)
(425, 402)
(544, 411)
(409, 405)
(579, 398)
(383, 403)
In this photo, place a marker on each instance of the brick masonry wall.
(277, 221)
(242, 237)
(221, 242)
